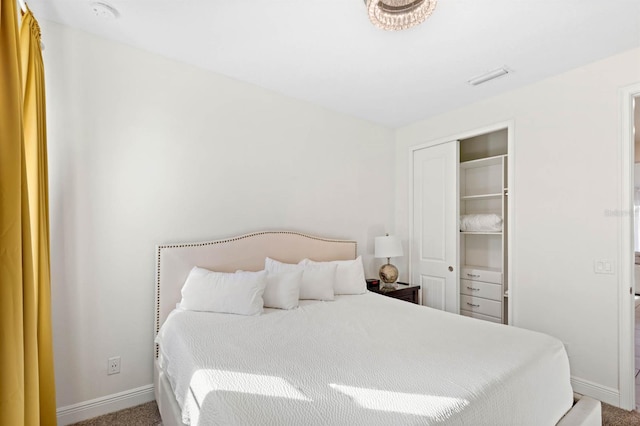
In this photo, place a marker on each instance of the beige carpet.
(147, 415)
(612, 416)
(141, 415)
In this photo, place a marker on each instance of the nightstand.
(404, 291)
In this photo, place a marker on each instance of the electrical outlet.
(113, 365)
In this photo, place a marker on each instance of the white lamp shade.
(388, 246)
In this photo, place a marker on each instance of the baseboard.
(104, 405)
(602, 393)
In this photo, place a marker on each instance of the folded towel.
(480, 223)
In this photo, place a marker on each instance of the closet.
(459, 249)
(483, 243)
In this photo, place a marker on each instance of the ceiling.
(328, 53)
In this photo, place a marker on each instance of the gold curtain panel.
(27, 386)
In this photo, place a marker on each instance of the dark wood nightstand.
(404, 291)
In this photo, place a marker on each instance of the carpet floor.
(148, 415)
(140, 415)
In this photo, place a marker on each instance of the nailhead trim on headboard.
(159, 249)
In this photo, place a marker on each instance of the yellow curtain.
(27, 386)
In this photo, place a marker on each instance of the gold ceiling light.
(396, 15)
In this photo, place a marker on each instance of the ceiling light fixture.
(498, 72)
(396, 15)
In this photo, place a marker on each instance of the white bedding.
(362, 359)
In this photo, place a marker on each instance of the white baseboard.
(104, 405)
(602, 393)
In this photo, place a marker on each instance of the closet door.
(435, 225)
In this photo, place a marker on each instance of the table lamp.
(388, 246)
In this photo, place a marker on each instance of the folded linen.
(480, 223)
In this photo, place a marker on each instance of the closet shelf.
(480, 233)
(482, 162)
(481, 268)
(480, 196)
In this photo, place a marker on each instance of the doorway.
(636, 243)
(628, 388)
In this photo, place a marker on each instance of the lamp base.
(389, 275)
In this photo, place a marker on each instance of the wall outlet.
(113, 365)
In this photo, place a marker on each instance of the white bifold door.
(435, 231)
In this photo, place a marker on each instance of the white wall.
(144, 150)
(567, 175)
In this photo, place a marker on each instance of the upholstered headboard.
(246, 252)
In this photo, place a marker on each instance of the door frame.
(510, 126)
(626, 280)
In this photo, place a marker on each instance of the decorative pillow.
(239, 293)
(349, 275)
(317, 280)
(283, 289)
(272, 265)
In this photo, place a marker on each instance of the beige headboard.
(246, 252)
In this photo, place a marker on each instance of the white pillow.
(239, 293)
(317, 280)
(349, 276)
(283, 289)
(272, 265)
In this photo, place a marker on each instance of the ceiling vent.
(491, 75)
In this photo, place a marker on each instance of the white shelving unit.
(483, 255)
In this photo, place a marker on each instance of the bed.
(359, 359)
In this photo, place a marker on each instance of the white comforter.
(364, 359)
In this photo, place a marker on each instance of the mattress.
(365, 359)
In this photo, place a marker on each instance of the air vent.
(491, 75)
